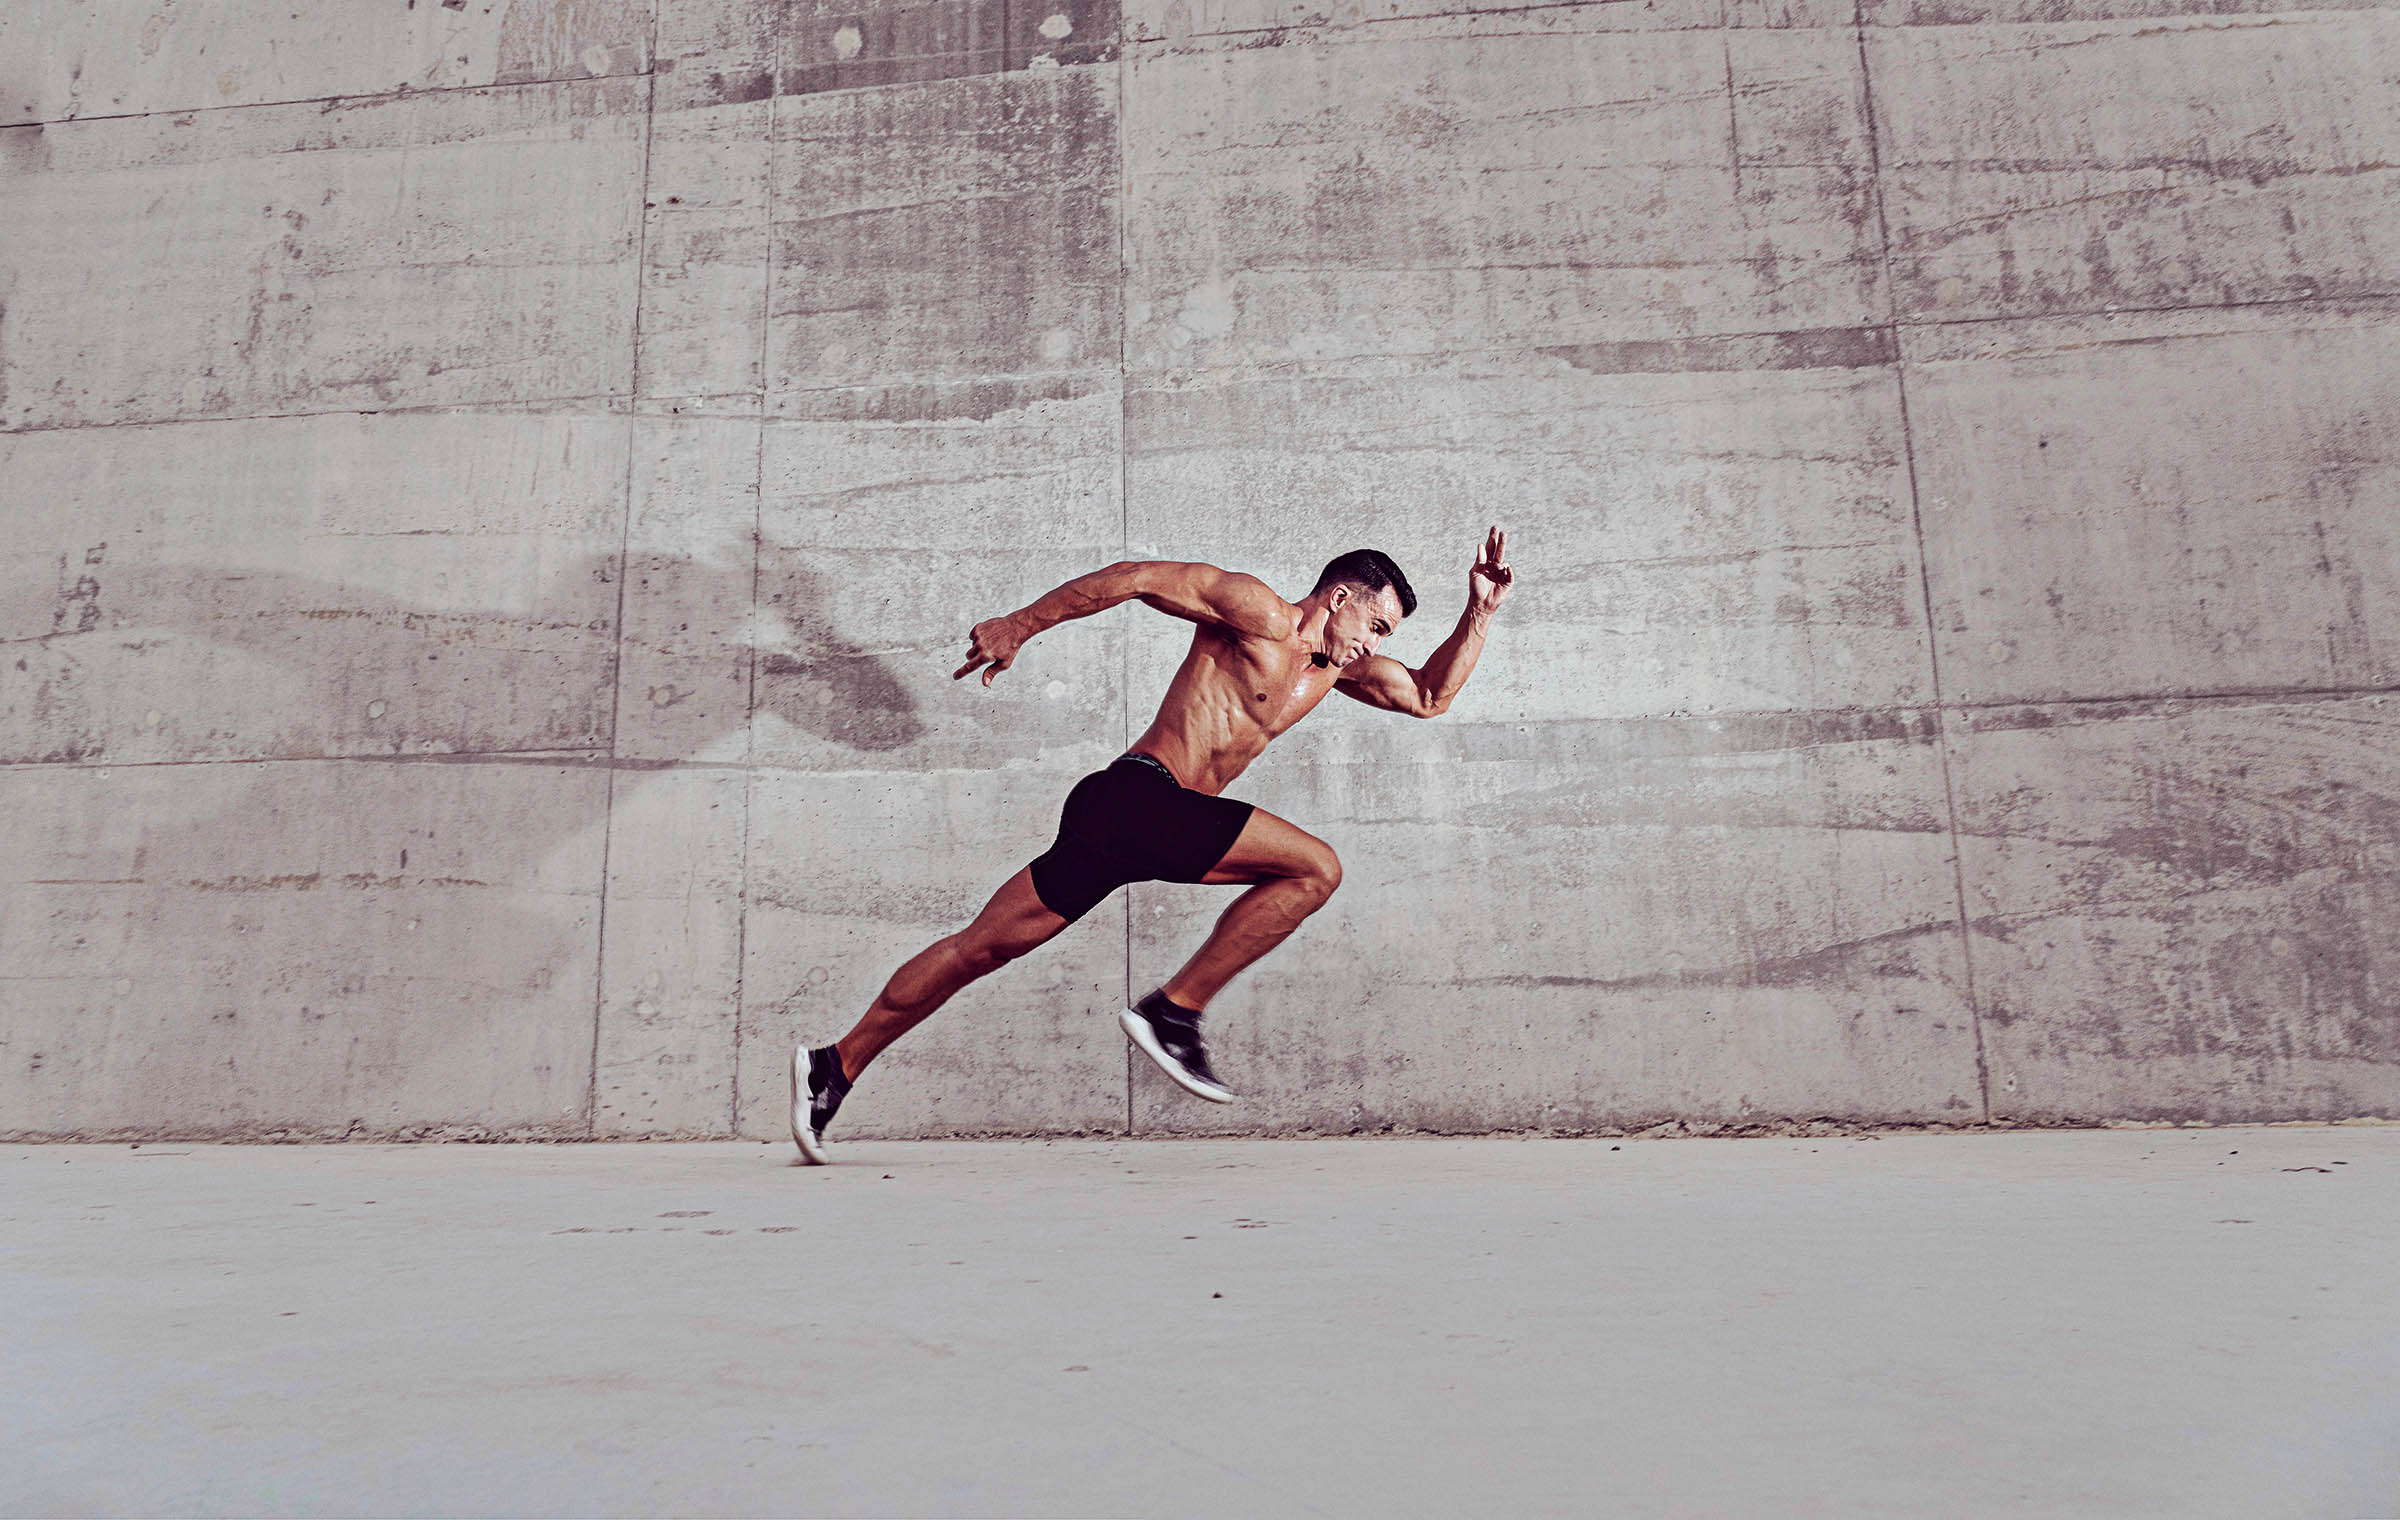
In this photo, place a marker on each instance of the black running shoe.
(818, 1089)
(1169, 1034)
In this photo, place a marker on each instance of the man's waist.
(1143, 758)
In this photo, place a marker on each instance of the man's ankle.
(1181, 1006)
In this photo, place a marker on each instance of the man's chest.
(1278, 690)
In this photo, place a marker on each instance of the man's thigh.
(1269, 849)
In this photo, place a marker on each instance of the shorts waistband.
(1152, 761)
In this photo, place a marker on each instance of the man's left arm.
(1380, 681)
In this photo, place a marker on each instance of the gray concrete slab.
(2161, 504)
(445, 248)
(372, 1016)
(2161, 954)
(2132, 1323)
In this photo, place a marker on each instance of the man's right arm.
(1197, 593)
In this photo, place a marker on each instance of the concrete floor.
(2169, 1323)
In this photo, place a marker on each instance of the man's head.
(1365, 597)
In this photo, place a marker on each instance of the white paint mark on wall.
(847, 42)
(1058, 343)
(1208, 310)
(152, 718)
(1055, 690)
(194, 391)
(154, 32)
(764, 630)
(596, 59)
(375, 708)
(1055, 25)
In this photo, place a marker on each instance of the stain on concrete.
(896, 44)
(841, 694)
(24, 150)
(1818, 348)
(1835, 965)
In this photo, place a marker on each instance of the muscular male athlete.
(1258, 664)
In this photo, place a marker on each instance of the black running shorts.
(1132, 822)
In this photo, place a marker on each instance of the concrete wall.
(493, 492)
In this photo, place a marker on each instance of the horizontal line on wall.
(1874, 723)
(610, 403)
(364, 97)
(2167, 698)
(1710, 353)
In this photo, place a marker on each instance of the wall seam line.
(758, 529)
(1124, 474)
(1916, 519)
(616, 672)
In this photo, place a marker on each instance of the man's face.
(1357, 627)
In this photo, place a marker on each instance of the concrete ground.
(2126, 1323)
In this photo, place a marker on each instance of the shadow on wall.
(826, 685)
(352, 656)
(284, 1016)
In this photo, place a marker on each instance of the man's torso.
(1231, 697)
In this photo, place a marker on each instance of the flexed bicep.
(1381, 681)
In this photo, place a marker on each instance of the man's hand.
(993, 642)
(1488, 584)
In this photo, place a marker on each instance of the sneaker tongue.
(1161, 1009)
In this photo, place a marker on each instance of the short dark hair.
(1371, 570)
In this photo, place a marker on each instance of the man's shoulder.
(1256, 611)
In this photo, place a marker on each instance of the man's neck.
(1313, 617)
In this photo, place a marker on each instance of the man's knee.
(981, 955)
(1324, 871)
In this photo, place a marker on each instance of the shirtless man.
(1258, 664)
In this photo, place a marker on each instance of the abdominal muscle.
(1231, 697)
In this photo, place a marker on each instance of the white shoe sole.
(812, 1149)
(1137, 1029)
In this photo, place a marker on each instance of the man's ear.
(1335, 602)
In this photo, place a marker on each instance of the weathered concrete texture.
(2139, 161)
(71, 59)
(1778, 933)
(457, 247)
(315, 947)
(300, 587)
(1945, 443)
(2158, 1324)
(2186, 908)
(2163, 504)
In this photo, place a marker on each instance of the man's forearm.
(1080, 597)
(1454, 661)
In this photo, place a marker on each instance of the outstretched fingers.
(994, 642)
(991, 665)
(1495, 555)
